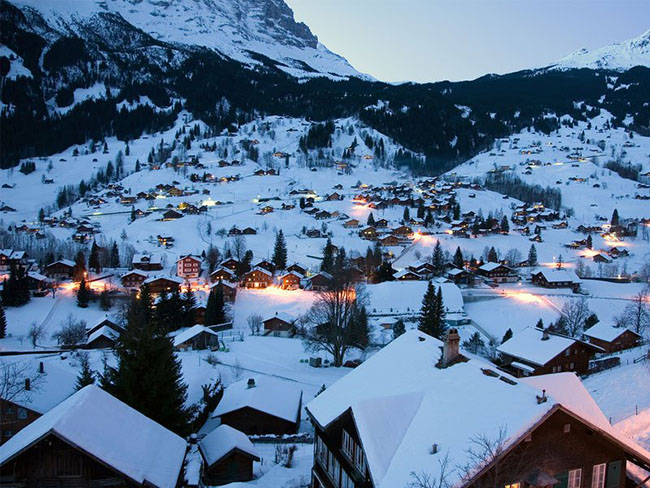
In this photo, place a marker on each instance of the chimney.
(41, 367)
(28, 384)
(450, 347)
(545, 336)
(541, 399)
(193, 439)
(251, 383)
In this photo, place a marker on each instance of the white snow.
(222, 441)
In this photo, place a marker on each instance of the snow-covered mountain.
(619, 56)
(239, 29)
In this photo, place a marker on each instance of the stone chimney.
(41, 367)
(450, 349)
(28, 384)
(545, 336)
(251, 383)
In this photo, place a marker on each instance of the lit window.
(575, 478)
(598, 476)
(514, 485)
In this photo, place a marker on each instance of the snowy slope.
(619, 56)
(239, 29)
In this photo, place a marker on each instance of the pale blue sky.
(431, 40)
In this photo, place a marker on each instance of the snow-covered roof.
(108, 429)
(491, 266)
(193, 331)
(529, 345)
(223, 440)
(404, 272)
(403, 378)
(558, 275)
(147, 258)
(66, 262)
(300, 276)
(606, 332)
(136, 272)
(37, 276)
(175, 279)
(282, 316)
(104, 330)
(402, 295)
(190, 256)
(269, 395)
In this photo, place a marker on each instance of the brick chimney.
(251, 383)
(450, 348)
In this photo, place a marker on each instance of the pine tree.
(148, 376)
(280, 251)
(615, 218)
(398, 328)
(540, 324)
(507, 336)
(459, 261)
(421, 211)
(406, 217)
(214, 310)
(327, 264)
(3, 322)
(427, 317)
(93, 260)
(83, 295)
(137, 165)
(492, 256)
(359, 329)
(505, 226)
(371, 220)
(115, 256)
(438, 259)
(189, 307)
(79, 270)
(590, 243)
(440, 314)
(475, 344)
(591, 321)
(532, 256)
(86, 375)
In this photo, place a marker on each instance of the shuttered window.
(598, 476)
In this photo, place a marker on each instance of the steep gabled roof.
(607, 332)
(110, 431)
(222, 441)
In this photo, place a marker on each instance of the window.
(22, 413)
(598, 476)
(346, 481)
(575, 478)
(567, 352)
(514, 485)
(567, 428)
(348, 445)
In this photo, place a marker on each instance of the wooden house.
(351, 224)
(555, 278)
(167, 241)
(389, 241)
(369, 233)
(60, 270)
(320, 281)
(497, 272)
(291, 280)
(228, 289)
(222, 274)
(267, 265)
(147, 262)
(403, 231)
(231, 263)
(133, 279)
(171, 215)
(74, 445)
(612, 339)
(279, 325)
(228, 457)
(407, 275)
(162, 284)
(261, 405)
(334, 196)
(257, 278)
(298, 269)
(535, 351)
(195, 338)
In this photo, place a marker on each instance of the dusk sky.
(430, 40)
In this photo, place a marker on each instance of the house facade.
(188, 267)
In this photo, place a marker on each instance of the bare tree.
(71, 332)
(427, 480)
(333, 322)
(13, 376)
(254, 323)
(513, 256)
(238, 247)
(636, 314)
(237, 370)
(35, 333)
(575, 313)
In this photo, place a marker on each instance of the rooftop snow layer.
(221, 441)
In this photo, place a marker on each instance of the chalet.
(234, 231)
(261, 405)
(556, 278)
(497, 272)
(407, 275)
(351, 224)
(535, 351)
(46, 384)
(105, 322)
(291, 280)
(403, 231)
(167, 241)
(38, 283)
(298, 269)
(267, 265)
(93, 439)
(369, 233)
(424, 269)
(279, 325)
(248, 231)
(228, 457)
(320, 281)
(133, 279)
(104, 337)
(556, 432)
(222, 274)
(322, 215)
(171, 215)
(195, 338)
(257, 278)
(601, 258)
(615, 252)
(335, 196)
(60, 270)
(314, 233)
(147, 262)
(188, 266)
(389, 241)
(231, 263)
(267, 209)
(612, 339)
(228, 289)
(162, 284)
(459, 276)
